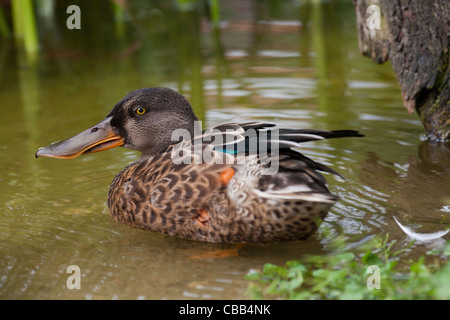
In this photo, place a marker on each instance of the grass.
(344, 276)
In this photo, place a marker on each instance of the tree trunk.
(414, 35)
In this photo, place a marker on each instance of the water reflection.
(413, 189)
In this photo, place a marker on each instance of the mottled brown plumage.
(225, 197)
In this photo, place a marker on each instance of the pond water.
(286, 62)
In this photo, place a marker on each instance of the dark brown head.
(143, 120)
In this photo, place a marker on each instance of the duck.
(235, 182)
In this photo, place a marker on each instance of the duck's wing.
(285, 172)
(263, 138)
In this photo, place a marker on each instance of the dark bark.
(415, 36)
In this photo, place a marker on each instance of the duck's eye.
(141, 110)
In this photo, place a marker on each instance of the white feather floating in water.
(421, 236)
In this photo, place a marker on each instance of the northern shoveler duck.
(234, 183)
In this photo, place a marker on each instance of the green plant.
(345, 276)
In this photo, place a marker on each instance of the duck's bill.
(97, 138)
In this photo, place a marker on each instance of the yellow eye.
(141, 110)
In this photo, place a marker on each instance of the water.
(298, 66)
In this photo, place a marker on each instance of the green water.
(294, 64)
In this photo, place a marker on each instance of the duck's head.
(143, 120)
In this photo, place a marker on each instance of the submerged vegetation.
(346, 275)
